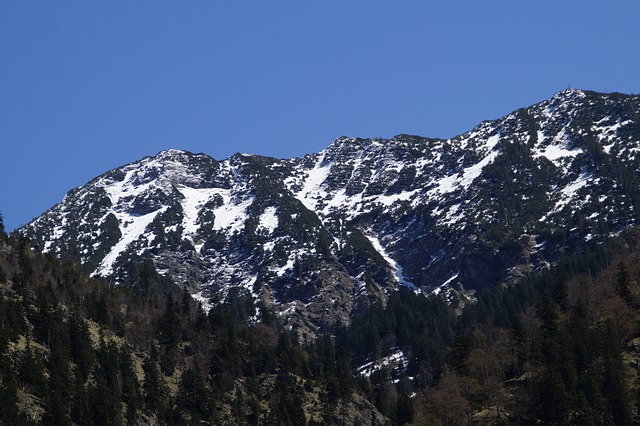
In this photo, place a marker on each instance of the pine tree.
(623, 282)
(129, 384)
(80, 407)
(105, 405)
(614, 382)
(193, 395)
(31, 372)
(60, 379)
(186, 301)
(9, 411)
(152, 385)
(82, 352)
(169, 324)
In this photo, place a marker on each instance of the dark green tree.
(169, 324)
(9, 412)
(614, 378)
(31, 372)
(129, 384)
(80, 406)
(623, 282)
(60, 378)
(186, 301)
(82, 352)
(193, 394)
(152, 386)
(286, 402)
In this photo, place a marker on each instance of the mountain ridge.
(316, 238)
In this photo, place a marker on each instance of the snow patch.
(194, 200)
(269, 220)
(395, 265)
(464, 178)
(312, 190)
(132, 228)
(556, 152)
(567, 194)
(438, 289)
(231, 215)
(204, 301)
(396, 360)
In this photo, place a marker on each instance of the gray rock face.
(317, 238)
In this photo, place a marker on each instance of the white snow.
(248, 285)
(231, 215)
(312, 190)
(567, 194)
(557, 149)
(132, 228)
(464, 178)
(608, 133)
(205, 301)
(438, 289)
(57, 233)
(387, 200)
(395, 265)
(269, 219)
(293, 255)
(269, 246)
(397, 360)
(194, 200)
(556, 152)
(570, 191)
(452, 216)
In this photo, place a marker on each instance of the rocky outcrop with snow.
(315, 238)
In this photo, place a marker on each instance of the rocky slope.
(317, 238)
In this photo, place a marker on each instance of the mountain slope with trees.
(560, 347)
(75, 350)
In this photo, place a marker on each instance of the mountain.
(319, 238)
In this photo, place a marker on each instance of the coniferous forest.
(559, 348)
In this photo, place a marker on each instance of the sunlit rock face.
(315, 239)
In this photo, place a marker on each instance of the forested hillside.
(561, 347)
(76, 351)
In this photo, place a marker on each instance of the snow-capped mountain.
(317, 237)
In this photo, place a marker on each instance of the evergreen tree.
(60, 379)
(31, 372)
(193, 395)
(169, 324)
(9, 412)
(81, 413)
(129, 384)
(614, 382)
(105, 404)
(286, 402)
(623, 287)
(186, 301)
(152, 385)
(82, 352)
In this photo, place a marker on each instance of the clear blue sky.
(87, 86)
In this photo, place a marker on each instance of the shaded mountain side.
(561, 347)
(319, 238)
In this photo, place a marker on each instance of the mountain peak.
(569, 93)
(172, 153)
